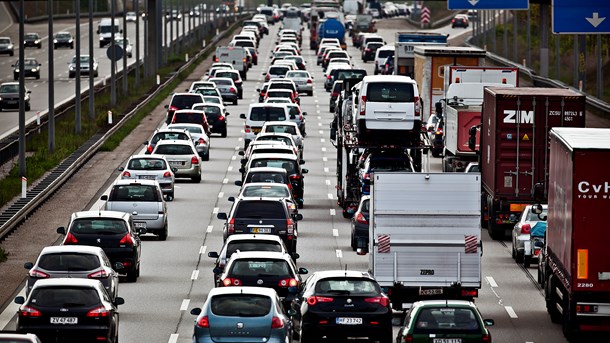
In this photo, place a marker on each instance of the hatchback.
(445, 320)
(183, 156)
(286, 138)
(460, 20)
(234, 75)
(267, 147)
(112, 231)
(228, 89)
(302, 80)
(191, 116)
(257, 115)
(69, 309)
(9, 96)
(265, 174)
(7, 46)
(165, 134)
(215, 113)
(147, 167)
(334, 94)
(281, 93)
(276, 72)
(182, 101)
(369, 51)
(286, 127)
(200, 138)
(231, 314)
(74, 261)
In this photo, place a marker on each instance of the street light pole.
(21, 92)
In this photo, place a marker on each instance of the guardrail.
(22, 208)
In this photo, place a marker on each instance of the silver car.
(181, 155)
(302, 79)
(286, 127)
(84, 66)
(128, 45)
(521, 231)
(144, 200)
(200, 138)
(151, 167)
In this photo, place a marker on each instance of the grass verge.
(3, 255)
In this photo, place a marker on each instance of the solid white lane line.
(225, 181)
(221, 194)
(335, 233)
(491, 281)
(215, 210)
(332, 212)
(195, 275)
(202, 249)
(330, 196)
(325, 159)
(339, 253)
(210, 228)
(510, 311)
(326, 170)
(173, 338)
(328, 182)
(185, 304)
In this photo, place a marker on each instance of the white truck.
(425, 235)
(236, 56)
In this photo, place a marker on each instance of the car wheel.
(513, 252)
(16, 77)
(170, 196)
(95, 74)
(132, 276)
(235, 102)
(27, 106)
(520, 255)
(163, 234)
(38, 77)
(54, 46)
(223, 134)
(526, 262)
(196, 179)
(310, 93)
(206, 157)
(70, 75)
(353, 242)
(11, 53)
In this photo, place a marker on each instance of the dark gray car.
(9, 96)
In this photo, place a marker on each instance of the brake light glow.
(525, 229)
(295, 177)
(172, 108)
(288, 283)
(362, 105)
(277, 323)
(586, 308)
(312, 300)
(126, 174)
(267, 77)
(149, 148)
(194, 160)
(361, 219)
(167, 174)
(408, 338)
(383, 301)
(470, 293)
(366, 176)
(328, 77)
(232, 90)
(201, 141)
(127, 240)
(231, 226)
(98, 312)
(289, 228)
(416, 106)
(98, 275)
(487, 338)
(247, 129)
(221, 118)
(334, 94)
(309, 81)
(231, 282)
(70, 239)
(203, 322)
(28, 311)
(38, 274)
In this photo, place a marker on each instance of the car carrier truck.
(425, 235)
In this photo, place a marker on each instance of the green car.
(444, 321)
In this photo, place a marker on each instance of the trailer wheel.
(550, 297)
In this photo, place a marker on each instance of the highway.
(177, 274)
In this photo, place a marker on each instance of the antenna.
(345, 271)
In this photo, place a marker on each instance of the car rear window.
(169, 136)
(390, 164)
(342, 74)
(260, 209)
(260, 267)
(350, 286)
(267, 191)
(278, 94)
(267, 114)
(240, 305)
(253, 245)
(173, 149)
(185, 101)
(64, 297)
(98, 226)
(135, 192)
(69, 262)
(334, 54)
(146, 164)
(385, 53)
(282, 85)
(446, 320)
(205, 91)
(265, 177)
(191, 129)
(286, 140)
(281, 129)
(389, 92)
(230, 75)
(289, 166)
(222, 82)
(278, 70)
(298, 74)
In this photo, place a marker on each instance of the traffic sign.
(425, 15)
(581, 17)
(118, 52)
(489, 4)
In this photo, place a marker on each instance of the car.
(276, 72)
(388, 66)
(268, 190)
(521, 231)
(263, 91)
(266, 147)
(335, 74)
(182, 155)
(198, 84)
(9, 337)
(453, 320)
(281, 93)
(228, 89)
(360, 225)
(216, 115)
(9, 96)
(286, 138)
(437, 138)
(334, 94)
(254, 55)
(431, 124)
(128, 46)
(264, 269)
(284, 101)
(74, 261)
(131, 17)
(207, 91)
(299, 60)
(286, 127)
(384, 160)
(230, 313)
(265, 175)
(284, 84)
(257, 115)
(84, 67)
(183, 101)
(113, 231)
(323, 49)
(167, 134)
(330, 71)
(263, 216)
(472, 167)
(333, 54)
(460, 20)
(297, 117)
(69, 309)
(369, 51)
(151, 167)
(200, 138)
(6, 46)
(302, 79)
(232, 74)
(63, 39)
(380, 56)
(339, 304)
(173, 15)
(32, 39)
(31, 68)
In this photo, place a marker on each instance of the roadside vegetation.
(3, 255)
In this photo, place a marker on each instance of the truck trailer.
(404, 57)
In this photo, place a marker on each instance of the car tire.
(54, 47)
(27, 106)
(519, 257)
(70, 75)
(513, 252)
(310, 93)
(133, 275)
(235, 102)
(223, 134)
(206, 157)
(95, 74)
(170, 196)
(353, 242)
(163, 234)
(526, 262)
(38, 77)
(11, 53)
(196, 179)
(16, 77)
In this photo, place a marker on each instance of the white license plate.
(260, 230)
(148, 177)
(349, 321)
(64, 320)
(434, 291)
(140, 225)
(176, 163)
(11, 102)
(447, 340)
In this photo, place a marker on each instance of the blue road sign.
(581, 17)
(490, 4)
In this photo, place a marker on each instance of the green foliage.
(3, 255)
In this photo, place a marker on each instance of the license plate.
(447, 340)
(256, 129)
(349, 321)
(140, 225)
(433, 291)
(176, 163)
(260, 230)
(64, 320)
(148, 177)
(11, 102)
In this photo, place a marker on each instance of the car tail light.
(312, 300)
(367, 50)
(38, 274)
(28, 311)
(334, 94)
(172, 108)
(245, 60)
(289, 228)
(487, 338)
(277, 323)
(470, 293)
(366, 176)
(361, 219)
(247, 129)
(362, 105)
(328, 77)
(309, 81)
(453, 20)
(439, 131)
(267, 77)
(292, 282)
(295, 177)
(201, 141)
(300, 117)
(100, 274)
(203, 322)
(232, 90)
(231, 226)
(525, 229)
(231, 282)
(221, 118)
(586, 308)
(70, 239)
(127, 240)
(408, 338)
(383, 301)
(416, 106)
(167, 174)
(98, 312)
(149, 149)
(126, 174)
(194, 160)
(536, 252)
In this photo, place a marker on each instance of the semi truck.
(404, 58)
(461, 109)
(514, 154)
(574, 268)
(425, 236)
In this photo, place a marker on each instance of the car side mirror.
(19, 300)
(119, 266)
(227, 113)
(213, 254)
(242, 116)
(186, 90)
(121, 168)
(104, 197)
(298, 217)
(258, 90)
(304, 171)
(196, 311)
(145, 143)
(231, 199)
(141, 231)
(241, 153)
(301, 161)
(61, 230)
(238, 183)
(303, 271)
(221, 215)
(174, 169)
(488, 322)
(243, 161)
(119, 301)
(241, 170)
(292, 312)
(295, 256)
(166, 106)
(217, 270)
(304, 113)
(28, 265)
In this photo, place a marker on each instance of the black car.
(217, 119)
(31, 68)
(388, 66)
(368, 53)
(112, 231)
(342, 74)
(63, 39)
(360, 226)
(182, 101)
(32, 40)
(80, 310)
(9, 96)
(259, 215)
(342, 303)
(460, 20)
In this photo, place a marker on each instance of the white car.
(285, 127)
(128, 46)
(302, 79)
(521, 231)
(131, 16)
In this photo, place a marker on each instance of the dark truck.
(514, 147)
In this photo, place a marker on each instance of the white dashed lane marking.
(335, 233)
(339, 254)
(215, 210)
(511, 312)
(185, 304)
(225, 181)
(328, 182)
(195, 275)
(491, 281)
(332, 212)
(210, 228)
(173, 338)
(221, 194)
(326, 170)
(202, 249)
(330, 196)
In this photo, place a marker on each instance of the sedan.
(63, 39)
(200, 138)
(128, 46)
(303, 80)
(227, 88)
(131, 17)
(32, 40)
(460, 20)
(69, 309)
(7, 46)
(9, 96)
(446, 320)
(215, 113)
(521, 231)
(181, 155)
(31, 69)
(84, 66)
(147, 167)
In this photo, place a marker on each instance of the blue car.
(230, 314)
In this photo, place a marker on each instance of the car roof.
(144, 182)
(71, 248)
(78, 282)
(173, 141)
(275, 156)
(270, 292)
(100, 214)
(260, 254)
(187, 124)
(265, 184)
(443, 303)
(342, 273)
(267, 105)
(385, 78)
(252, 236)
(282, 123)
(266, 170)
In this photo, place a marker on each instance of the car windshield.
(385, 53)
(240, 305)
(98, 226)
(191, 129)
(533, 217)
(253, 245)
(266, 191)
(185, 101)
(260, 209)
(297, 74)
(74, 262)
(134, 192)
(173, 149)
(83, 59)
(389, 92)
(146, 164)
(4, 41)
(222, 82)
(210, 109)
(281, 129)
(31, 36)
(169, 136)
(267, 114)
(27, 62)
(63, 35)
(286, 140)
(446, 320)
(349, 286)
(64, 297)
(260, 267)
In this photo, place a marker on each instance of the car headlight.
(16, 70)
(54, 40)
(70, 41)
(37, 41)
(0, 98)
(35, 69)
(72, 67)
(101, 38)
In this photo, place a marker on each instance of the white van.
(235, 56)
(381, 55)
(386, 108)
(258, 114)
(104, 29)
